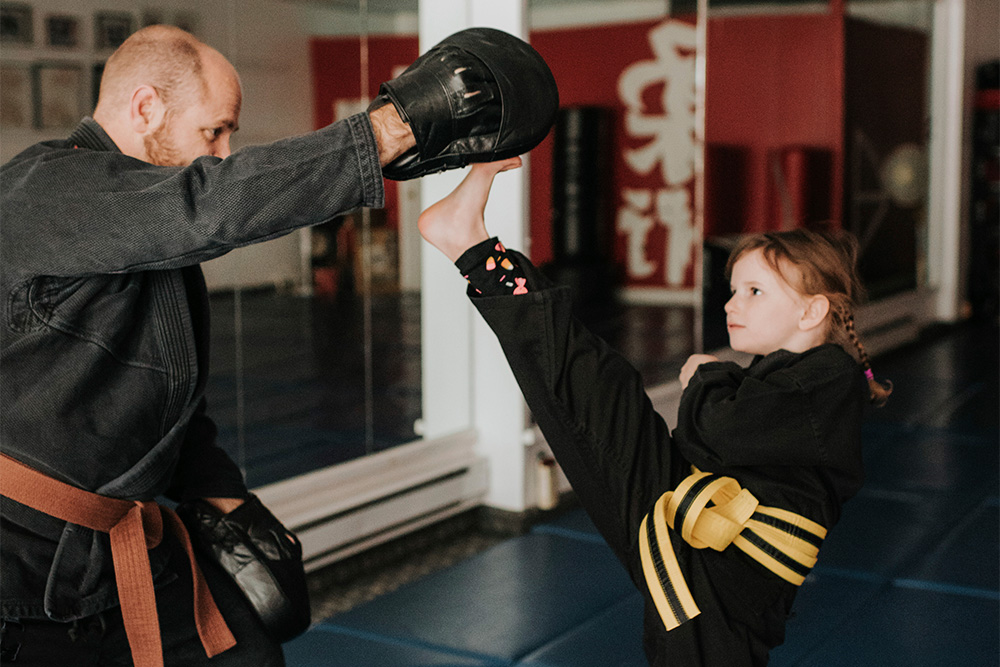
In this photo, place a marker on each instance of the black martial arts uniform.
(104, 344)
(787, 428)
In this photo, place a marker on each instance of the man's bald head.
(164, 57)
(167, 98)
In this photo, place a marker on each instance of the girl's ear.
(817, 308)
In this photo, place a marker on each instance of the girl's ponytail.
(878, 391)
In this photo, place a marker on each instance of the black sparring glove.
(480, 95)
(262, 556)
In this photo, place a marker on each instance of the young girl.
(719, 522)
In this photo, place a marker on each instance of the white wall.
(266, 40)
(982, 44)
(982, 37)
(263, 38)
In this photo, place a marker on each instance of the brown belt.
(135, 527)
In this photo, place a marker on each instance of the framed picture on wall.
(186, 21)
(15, 96)
(96, 72)
(111, 29)
(62, 31)
(58, 95)
(16, 24)
(151, 17)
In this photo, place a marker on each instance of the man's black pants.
(101, 640)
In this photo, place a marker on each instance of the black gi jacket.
(104, 327)
(787, 428)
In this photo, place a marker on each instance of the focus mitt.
(261, 556)
(480, 95)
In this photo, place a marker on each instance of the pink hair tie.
(869, 374)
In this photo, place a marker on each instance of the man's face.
(201, 124)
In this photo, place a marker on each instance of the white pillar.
(944, 248)
(466, 380)
(446, 318)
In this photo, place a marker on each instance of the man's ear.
(146, 109)
(817, 308)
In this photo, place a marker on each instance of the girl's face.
(764, 312)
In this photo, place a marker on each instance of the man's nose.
(222, 149)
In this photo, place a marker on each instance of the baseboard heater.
(892, 322)
(344, 509)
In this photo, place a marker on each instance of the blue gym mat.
(910, 577)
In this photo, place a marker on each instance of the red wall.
(336, 67)
(789, 93)
(586, 63)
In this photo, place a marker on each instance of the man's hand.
(227, 505)
(393, 136)
(224, 505)
(691, 365)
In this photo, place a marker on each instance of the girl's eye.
(755, 291)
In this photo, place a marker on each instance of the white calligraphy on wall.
(669, 144)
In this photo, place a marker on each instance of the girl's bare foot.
(456, 223)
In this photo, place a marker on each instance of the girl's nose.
(731, 304)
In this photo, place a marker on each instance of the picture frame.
(151, 17)
(16, 24)
(58, 95)
(62, 31)
(16, 109)
(111, 29)
(96, 72)
(186, 21)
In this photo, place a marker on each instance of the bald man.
(105, 346)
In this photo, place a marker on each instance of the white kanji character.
(673, 211)
(635, 220)
(672, 140)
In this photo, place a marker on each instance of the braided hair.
(826, 264)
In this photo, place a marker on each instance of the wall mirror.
(316, 339)
(615, 193)
(324, 365)
(817, 116)
(319, 362)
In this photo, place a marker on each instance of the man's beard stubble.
(160, 148)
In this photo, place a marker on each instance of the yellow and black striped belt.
(713, 511)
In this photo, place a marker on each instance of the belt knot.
(703, 525)
(150, 518)
(712, 511)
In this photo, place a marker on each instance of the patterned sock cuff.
(491, 270)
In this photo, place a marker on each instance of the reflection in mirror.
(816, 116)
(614, 206)
(316, 338)
(322, 364)
(366, 264)
(887, 54)
(316, 335)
